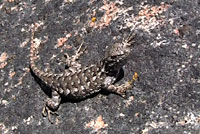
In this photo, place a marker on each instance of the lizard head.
(117, 56)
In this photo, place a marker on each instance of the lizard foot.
(48, 112)
(121, 89)
(128, 85)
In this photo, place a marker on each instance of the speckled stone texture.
(166, 56)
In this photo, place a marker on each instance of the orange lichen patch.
(148, 17)
(11, 74)
(3, 58)
(96, 124)
(135, 76)
(94, 19)
(61, 41)
(150, 12)
(111, 11)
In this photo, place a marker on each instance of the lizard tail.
(33, 56)
(48, 78)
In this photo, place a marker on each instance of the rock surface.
(166, 56)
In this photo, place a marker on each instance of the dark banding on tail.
(48, 78)
(33, 56)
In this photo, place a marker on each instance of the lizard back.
(73, 82)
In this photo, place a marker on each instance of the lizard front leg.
(121, 89)
(51, 105)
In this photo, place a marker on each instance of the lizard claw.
(123, 95)
(47, 112)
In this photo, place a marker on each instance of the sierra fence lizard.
(79, 81)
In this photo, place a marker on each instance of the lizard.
(79, 81)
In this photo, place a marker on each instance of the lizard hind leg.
(71, 61)
(51, 105)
